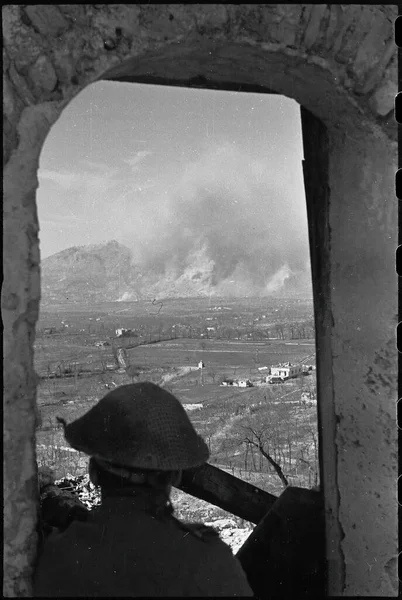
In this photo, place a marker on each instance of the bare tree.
(292, 331)
(301, 331)
(103, 363)
(280, 331)
(255, 438)
(77, 370)
(223, 377)
(212, 374)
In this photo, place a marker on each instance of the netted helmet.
(141, 426)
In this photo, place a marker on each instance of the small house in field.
(201, 364)
(244, 383)
(227, 382)
(286, 370)
(122, 332)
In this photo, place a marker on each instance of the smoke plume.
(229, 223)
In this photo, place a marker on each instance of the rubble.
(230, 533)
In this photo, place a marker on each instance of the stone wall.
(339, 62)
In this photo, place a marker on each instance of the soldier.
(139, 439)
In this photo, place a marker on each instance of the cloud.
(65, 179)
(86, 191)
(62, 221)
(135, 160)
(98, 166)
(80, 178)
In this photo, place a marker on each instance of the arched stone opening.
(339, 64)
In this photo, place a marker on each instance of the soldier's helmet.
(140, 426)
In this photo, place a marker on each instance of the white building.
(122, 331)
(286, 371)
(227, 382)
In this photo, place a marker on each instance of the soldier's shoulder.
(199, 531)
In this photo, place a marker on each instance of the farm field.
(75, 373)
(222, 354)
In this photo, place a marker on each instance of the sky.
(187, 179)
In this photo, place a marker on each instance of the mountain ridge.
(106, 272)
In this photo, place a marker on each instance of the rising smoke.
(228, 224)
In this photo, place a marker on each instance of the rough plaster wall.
(20, 304)
(364, 310)
(313, 53)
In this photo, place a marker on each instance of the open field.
(75, 373)
(235, 358)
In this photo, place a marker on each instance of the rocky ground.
(233, 531)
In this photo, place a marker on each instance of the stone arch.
(339, 63)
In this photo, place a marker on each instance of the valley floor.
(235, 422)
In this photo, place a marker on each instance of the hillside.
(106, 273)
(85, 274)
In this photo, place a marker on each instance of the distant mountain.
(106, 273)
(86, 274)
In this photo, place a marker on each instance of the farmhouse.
(237, 383)
(244, 383)
(286, 370)
(122, 332)
(227, 382)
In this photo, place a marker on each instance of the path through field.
(177, 374)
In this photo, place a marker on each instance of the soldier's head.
(112, 478)
(138, 434)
